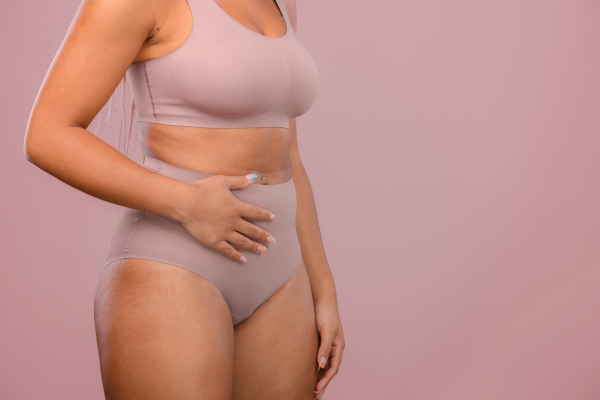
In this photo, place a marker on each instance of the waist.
(221, 151)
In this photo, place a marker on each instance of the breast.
(226, 78)
(304, 79)
(232, 78)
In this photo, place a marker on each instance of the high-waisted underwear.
(244, 286)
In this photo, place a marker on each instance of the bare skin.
(163, 331)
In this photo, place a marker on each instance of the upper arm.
(103, 39)
(290, 7)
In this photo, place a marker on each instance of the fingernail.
(322, 361)
(261, 248)
(244, 259)
(318, 391)
(251, 177)
(270, 239)
(272, 216)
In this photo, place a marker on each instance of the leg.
(276, 347)
(163, 332)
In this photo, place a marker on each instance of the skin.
(163, 331)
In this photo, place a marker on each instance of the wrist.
(178, 203)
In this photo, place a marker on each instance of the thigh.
(275, 353)
(163, 332)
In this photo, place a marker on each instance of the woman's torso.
(215, 88)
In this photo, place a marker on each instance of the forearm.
(85, 162)
(311, 242)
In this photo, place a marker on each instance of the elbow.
(36, 141)
(31, 148)
(28, 149)
(28, 152)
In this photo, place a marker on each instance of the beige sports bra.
(226, 75)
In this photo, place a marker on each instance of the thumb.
(240, 182)
(324, 348)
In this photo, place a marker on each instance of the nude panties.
(244, 286)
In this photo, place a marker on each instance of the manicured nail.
(244, 259)
(322, 361)
(272, 216)
(270, 239)
(262, 248)
(251, 177)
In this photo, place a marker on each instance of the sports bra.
(226, 75)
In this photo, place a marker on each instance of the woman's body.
(165, 332)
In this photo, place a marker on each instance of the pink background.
(454, 151)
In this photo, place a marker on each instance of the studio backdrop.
(454, 154)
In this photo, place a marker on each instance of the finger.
(320, 394)
(251, 230)
(325, 346)
(335, 359)
(240, 182)
(230, 251)
(331, 370)
(242, 241)
(252, 211)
